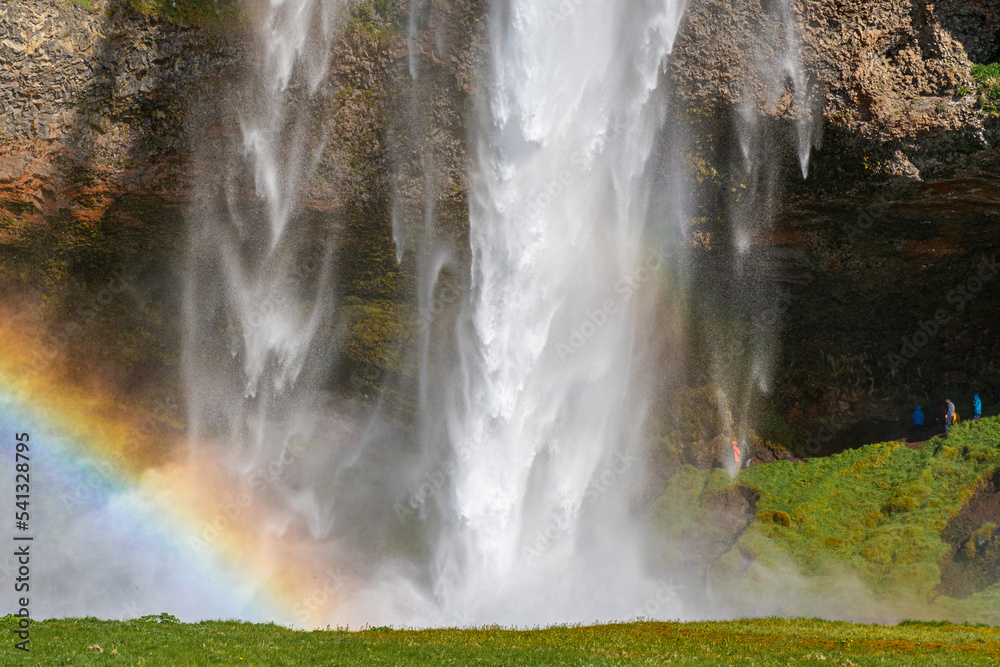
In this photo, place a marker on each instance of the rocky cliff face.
(104, 110)
(105, 89)
(96, 102)
(897, 217)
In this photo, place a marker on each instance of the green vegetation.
(988, 88)
(873, 516)
(378, 329)
(866, 524)
(377, 15)
(207, 13)
(986, 72)
(757, 642)
(188, 12)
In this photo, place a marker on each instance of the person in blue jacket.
(977, 407)
(918, 421)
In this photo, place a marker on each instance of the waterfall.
(782, 65)
(530, 425)
(546, 404)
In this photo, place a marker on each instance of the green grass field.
(754, 642)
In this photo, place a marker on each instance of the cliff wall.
(107, 115)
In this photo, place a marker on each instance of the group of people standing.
(946, 414)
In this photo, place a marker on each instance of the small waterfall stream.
(743, 367)
(253, 322)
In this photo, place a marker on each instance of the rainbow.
(130, 519)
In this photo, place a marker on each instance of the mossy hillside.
(694, 523)
(158, 640)
(874, 514)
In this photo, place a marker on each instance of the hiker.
(918, 421)
(977, 407)
(949, 415)
(736, 453)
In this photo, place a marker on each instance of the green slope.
(860, 531)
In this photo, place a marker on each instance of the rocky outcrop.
(974, 23)
(886, 74)
(102, 84)
(972, 561)
(65, 66)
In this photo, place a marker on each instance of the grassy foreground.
(750, 642)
